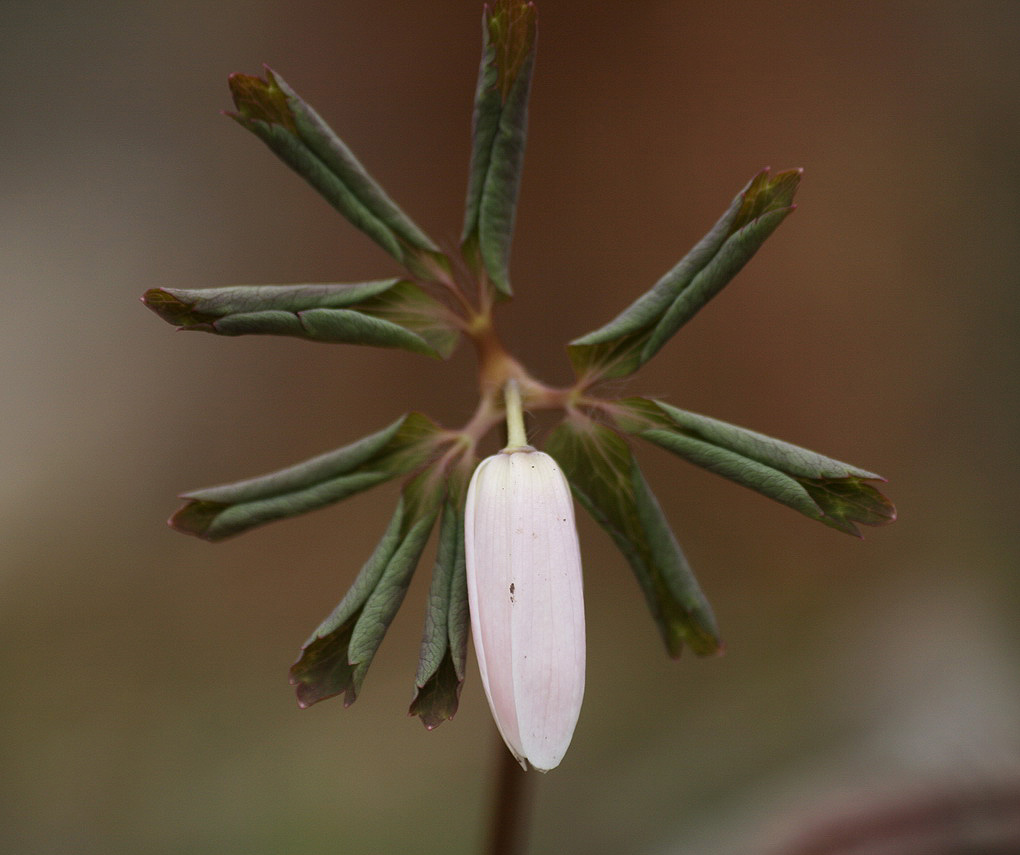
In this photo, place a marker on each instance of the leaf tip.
(768, 192)
(705, 641)
(430, 718)
(511, 26)
(175, 311)
(437, 697)
(304, 693)
(195, 517)
(845, 502)
(307, 692)
(260, 99)
(165, 304)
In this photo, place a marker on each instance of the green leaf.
(335, 659)
(384, 313)
(606, 480)
(640, 331)
(271, 110)
(216, 513)
(819, 487)
(447, 626)
(499, 132)
(409, 307)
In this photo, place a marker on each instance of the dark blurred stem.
(511, 808)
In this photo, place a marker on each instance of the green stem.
(516, 437)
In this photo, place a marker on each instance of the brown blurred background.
(145, 706)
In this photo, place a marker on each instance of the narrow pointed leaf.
(216, 513)
(297, 135)
(499, 132)
(447, 626)
(384, 313)
(821, 488)
(606, 480)
(335, 659)
(340, 160)
(639, 332)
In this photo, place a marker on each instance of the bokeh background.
(145, 707)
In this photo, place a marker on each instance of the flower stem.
(515, 434)
(508, 834)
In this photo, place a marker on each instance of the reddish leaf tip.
(767, 193)
(303, 691)
(511, 26)
(194, 518)
(430, 720)
(259, 99)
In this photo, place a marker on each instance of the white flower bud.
(527, 605)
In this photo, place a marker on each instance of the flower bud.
(527, 605)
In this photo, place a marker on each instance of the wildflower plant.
(525, 593)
